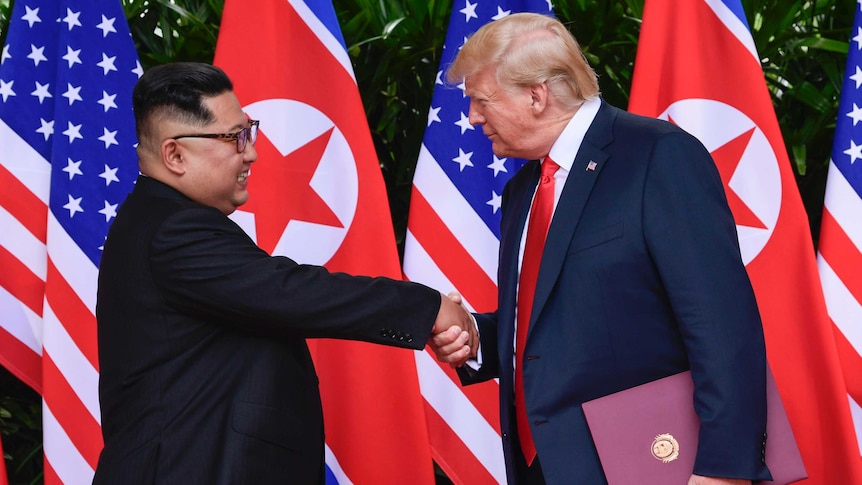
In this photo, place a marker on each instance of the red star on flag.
(727, 158)
(284, 192)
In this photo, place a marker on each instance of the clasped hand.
(701, 480)
(454, 337)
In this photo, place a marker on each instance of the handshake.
(454, 336)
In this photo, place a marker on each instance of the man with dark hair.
(619, 265)
(205, 376)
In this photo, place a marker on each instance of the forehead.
(481, 83)
(226, 109)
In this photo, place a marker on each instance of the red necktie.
(537, 231)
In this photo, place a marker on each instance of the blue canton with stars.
(66, 78)
(847, 147)
(463, 151)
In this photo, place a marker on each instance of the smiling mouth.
(243, 176)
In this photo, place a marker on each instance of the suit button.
(505, 436)
(383, 332)
(409, 338)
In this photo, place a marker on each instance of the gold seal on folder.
(665, 448)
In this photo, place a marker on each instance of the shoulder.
(643, 136)
(190, 221)
(650, 128)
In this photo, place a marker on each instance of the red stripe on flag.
(21, 360)
(4, 477)
(458, 461)
(841, 254)
(18, 280)
(51, 477)
(851, 364)
(77, 319)
(450, 256)
(77, 422)
(484, 396)
(23, 204)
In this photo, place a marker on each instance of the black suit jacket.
(205, 374)
(640, 278)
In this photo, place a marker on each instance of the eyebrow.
(238, 126)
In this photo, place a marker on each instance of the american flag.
(451, 243)
(67, 160)
(839, 256)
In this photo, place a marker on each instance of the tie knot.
(549, 168)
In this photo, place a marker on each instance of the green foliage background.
(395, 47)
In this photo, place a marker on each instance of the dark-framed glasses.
(243, 136)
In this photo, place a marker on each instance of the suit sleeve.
(692, 238)
(206, 265)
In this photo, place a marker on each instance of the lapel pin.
(591, 166)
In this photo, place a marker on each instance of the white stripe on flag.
(25, 163)
(735, 26)
(467, 227)
(326, 38)
(22, 244)
(72, 263)
(844, 204)
(856, 412)
(460, 414)
(420, 267)
(841, 305)
(335, 467)
(71, 363)
(20, 321)
(61, 453)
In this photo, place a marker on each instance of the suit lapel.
(587, 165)
(510, 243)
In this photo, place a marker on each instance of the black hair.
(177, 90)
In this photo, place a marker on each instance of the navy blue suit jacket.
(641, 278)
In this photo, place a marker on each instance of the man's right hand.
(454, 337)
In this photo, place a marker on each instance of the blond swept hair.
(528, 49)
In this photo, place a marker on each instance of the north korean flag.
(318, 197)
(697, 67)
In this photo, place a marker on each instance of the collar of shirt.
(565, 149)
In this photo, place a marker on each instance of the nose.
(475, 116)
(250, 153)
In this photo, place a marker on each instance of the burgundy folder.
(648, 434)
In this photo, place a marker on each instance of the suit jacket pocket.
(273, 425)
(595, 237)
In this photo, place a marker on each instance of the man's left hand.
(699, 480)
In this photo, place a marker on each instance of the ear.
(539, 98)
(172, 156)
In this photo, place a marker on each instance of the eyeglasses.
(242, 136)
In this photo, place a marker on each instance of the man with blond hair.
(619, 264)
